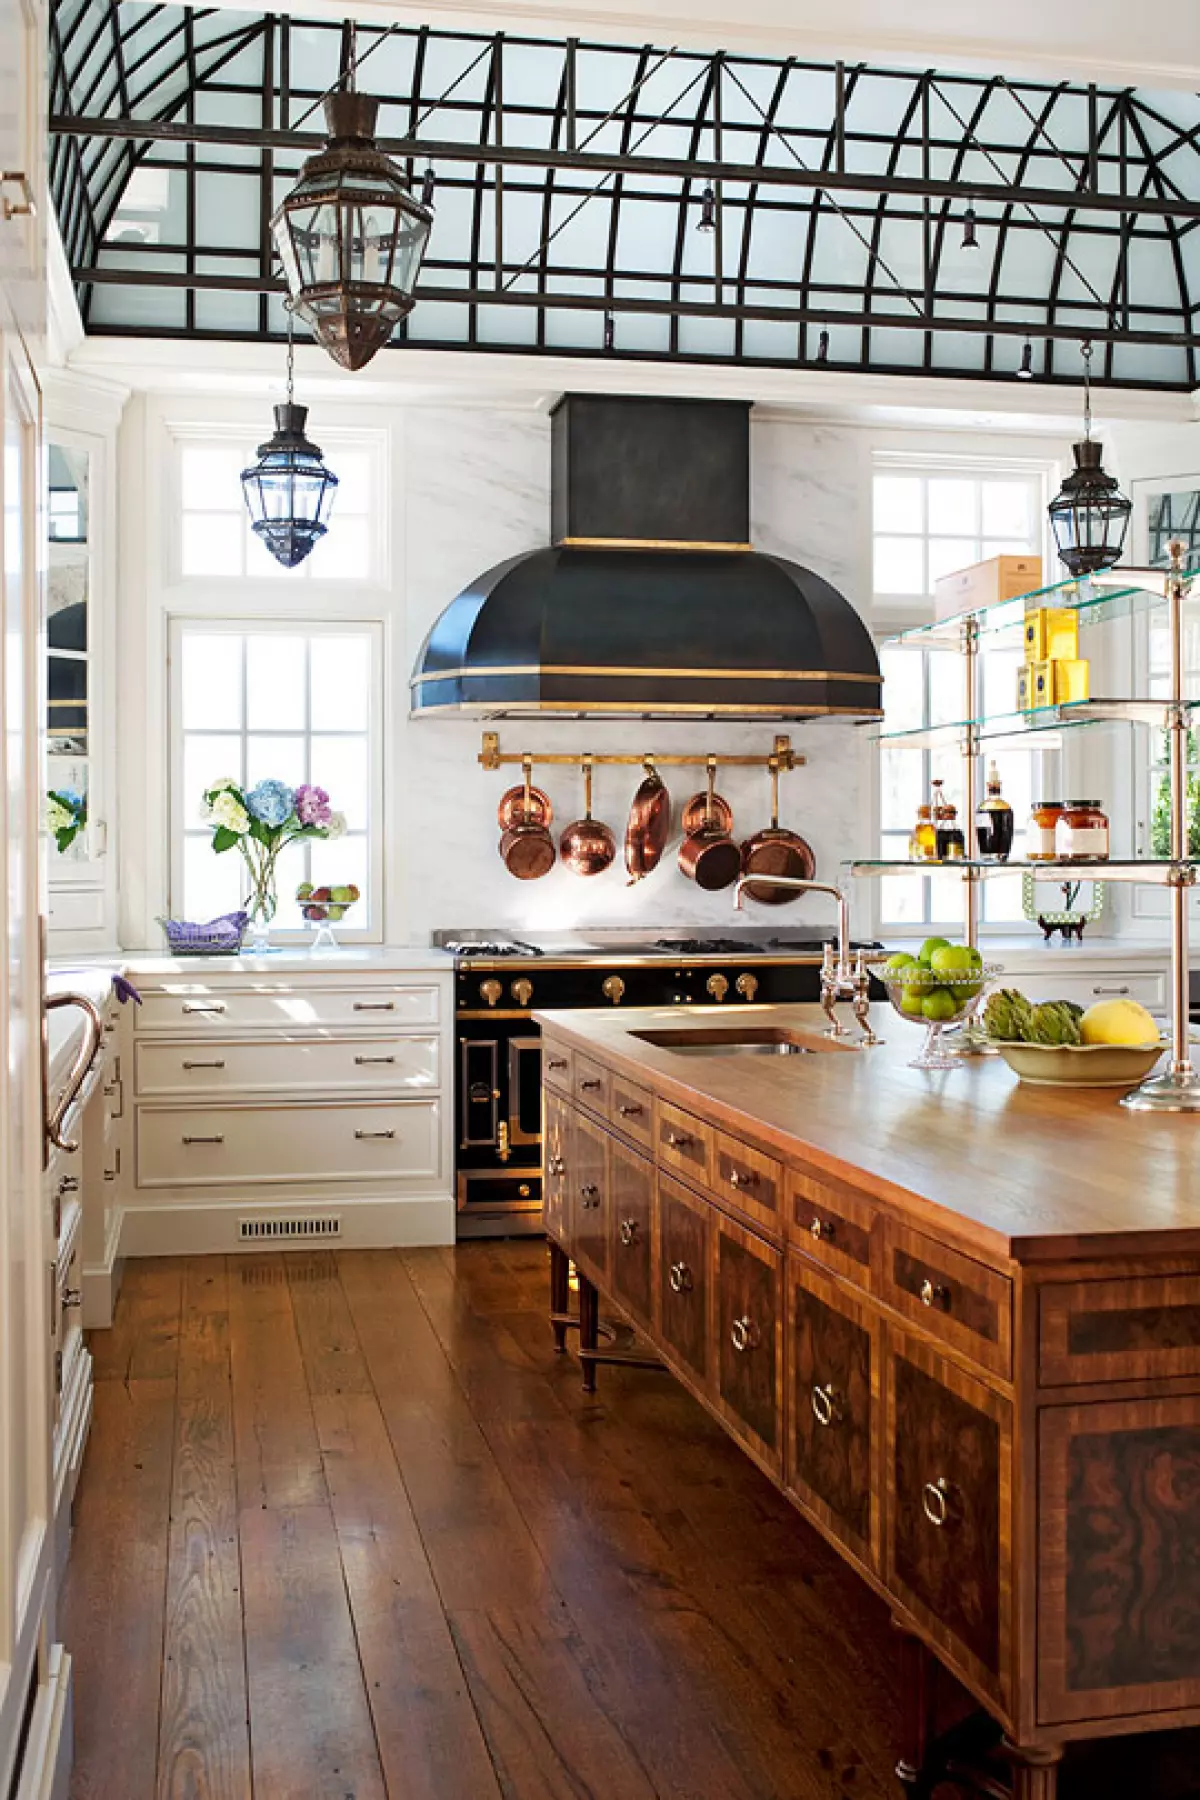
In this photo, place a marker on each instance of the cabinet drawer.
(682, 1142)
(588, 1198)
(208, 1146)
(748, 1285)
(631, 1111)
(832, 1224)
(233, 1068)
(749, 1180)
(559, 1157)
(949, 1535)
(1149, 990)
(1130, 1330)
(683, 1226)
(557, 1063)
(198, 1007)
(631, 1191)
(835, 1381)
(591, 1084)
(959, 1300)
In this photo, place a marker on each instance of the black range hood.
(650, 601)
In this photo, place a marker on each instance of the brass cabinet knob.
(590, 1087)
(629, 1232)
(614, 989)
(718, 987)
(937, 1502)
(589, 1193)
(630, 1111)
(742, 1178)
(820, 1228)
(556, 1166)
(934, 1294)
(826, 1404)
(522, 991)
(747, 986)
(491, 991)
(678, 1140)
(680, 1278)
(744, 1334)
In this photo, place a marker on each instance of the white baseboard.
(46, 1764)
(213, 1229)
(102, 1281)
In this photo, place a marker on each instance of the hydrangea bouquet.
(66, 816)
(260, 822)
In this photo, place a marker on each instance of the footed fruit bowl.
(938, 998)
(325, 907)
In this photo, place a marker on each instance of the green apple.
(342, 895)
(925, 953)
(939, 1005)
(335, 912)
(896, 966)
(912, 1002)
(953, 959)
(304, 890)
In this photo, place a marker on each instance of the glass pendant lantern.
(1089, 515)
(351, 235)
(289, 491)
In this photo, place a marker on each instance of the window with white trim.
(928, 523)
(285, 699)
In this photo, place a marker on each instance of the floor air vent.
(327, 1227)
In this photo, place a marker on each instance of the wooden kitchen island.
(956, 1320)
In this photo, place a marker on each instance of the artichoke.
(1054, 1022)
(1007, 1016)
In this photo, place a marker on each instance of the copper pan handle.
(773, 766)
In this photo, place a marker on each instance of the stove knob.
(718, 987)
(747, 986)
(522, 991)
(614, 989)
(490, 991)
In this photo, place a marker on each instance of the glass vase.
(261, 904)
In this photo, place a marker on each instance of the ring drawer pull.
(826, 1404)
(744, 1334)
(629, 1231)
(204, 1006)
(589, 1193)
(742, 1178)
(374, 1134)
(680, 1278)
(820, 1228)
(589, 1087)
(679, 1140)
(934, 1293)
(374, 1006)
(556, 1166)
(937, 1501)
(219, 1063)
(629, 1112)
(219, 1138)
(361, 1061)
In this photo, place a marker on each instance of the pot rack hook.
(648, 763)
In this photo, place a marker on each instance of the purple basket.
(220, 937)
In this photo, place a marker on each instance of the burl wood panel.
(631, 1198)
(1110, 1330)
(749, 1364)
(683, 1227)
(948, 1437)
(558, 1158)
(1119, 1604)
(832, 1223)
(834, 1380)
(682, 1142)
(590, 1204)
(950, 1295)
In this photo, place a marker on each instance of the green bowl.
(1081, 1065)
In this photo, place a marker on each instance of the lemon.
(1118, 1022)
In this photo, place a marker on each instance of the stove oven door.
(499, 1127)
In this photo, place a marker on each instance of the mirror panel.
(68, 653)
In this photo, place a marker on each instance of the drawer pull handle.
(630, 1112)
(218, 1139)
(361, 1061)
(72, 1297)
(68, 1184)
(820, 1228)
(933, 1293)
(374, 1006)
(360, 1135)
(1123, 989)
(590, 1194)
(742, 1178)
(557, 1062)
(589, 1087)
(556, 1166)
(744, 1335)
(629, 1232)
(826, 1404)
(937, 1502)
(219, 1063)
(679, 1140)
(204, 1006)
(680, 1278)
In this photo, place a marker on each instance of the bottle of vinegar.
(994, 821)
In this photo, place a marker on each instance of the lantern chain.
(1086, 353)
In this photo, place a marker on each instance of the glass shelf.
(1113, 593)
(1149, 872)
(999, 727)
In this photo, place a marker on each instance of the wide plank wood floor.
(349, 1530)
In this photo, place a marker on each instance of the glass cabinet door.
(68, 685)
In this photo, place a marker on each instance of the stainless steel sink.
(719, 1040)
(782, 1049)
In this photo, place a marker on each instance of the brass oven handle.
(219, 1063)
(680, 1278)
(92, 1038)
(718, 987)
(629, 1231)
(820, 1228)
(934, 1293)
(744, 1334)
(679, 1140)
(747, 986)
(826, 1404)
(742, 1178)
(204, 1006)
(503, 1150)
(614, 989)
(937, 1501)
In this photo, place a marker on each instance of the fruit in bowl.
(939, 986)
(325, 907)
(1115, 1043)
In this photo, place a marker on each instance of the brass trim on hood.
(496, 708)
(615, 543)
(609, 671)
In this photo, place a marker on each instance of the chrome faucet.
(838, 980)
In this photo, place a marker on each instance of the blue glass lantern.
(289, 491)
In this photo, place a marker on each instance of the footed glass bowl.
(938, 1001)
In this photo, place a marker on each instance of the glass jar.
(1081, 834)
(951, 844)
(1041, 843)
(922, 845)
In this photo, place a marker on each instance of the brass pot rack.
(781, 756)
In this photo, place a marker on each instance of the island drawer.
(750, 1181)
(1135, 1329)
(557, 1066)
(834, 1437)
(631, 1111)
(235, 1067)
(832, 1224)
(957, 1299)
(212, 1146)
(591, 1084)
(198, 1007)
(682, 1142)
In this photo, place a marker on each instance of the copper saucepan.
(649, 825)
(524, 805)
(777, 851)
(708, 856)
(526, 846)
(587, 847)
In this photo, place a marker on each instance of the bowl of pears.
(940, 987)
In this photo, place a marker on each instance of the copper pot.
(526, 846)
(587, 847)
(708, 855)
(777, 851)
(649, 825)
(524, 805)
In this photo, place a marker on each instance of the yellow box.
(1072, 680)
(1035, 685)
(986, 583)
(1051, 633)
